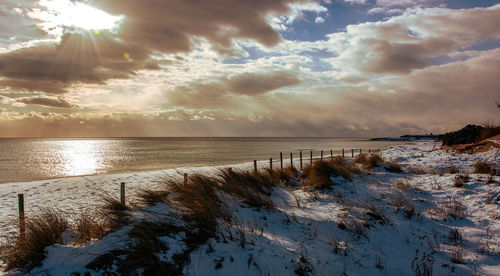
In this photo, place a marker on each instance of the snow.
(354, 228)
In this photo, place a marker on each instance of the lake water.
(37, 159)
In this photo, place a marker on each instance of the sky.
(299, 68)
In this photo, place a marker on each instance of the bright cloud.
(270, 68)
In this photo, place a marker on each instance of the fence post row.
(122, 193)
(22, 222)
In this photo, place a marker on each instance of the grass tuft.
(44, 228)
(319, 174)
(482, 167)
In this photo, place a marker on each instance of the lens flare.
(57, 14)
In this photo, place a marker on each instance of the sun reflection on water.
(80, 157)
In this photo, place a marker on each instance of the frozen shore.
(303, 231)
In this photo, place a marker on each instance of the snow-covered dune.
(372, 225)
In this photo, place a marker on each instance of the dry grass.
(460, 180)
(199, 198)
(252, 188)
(452, 170)
(422, 266)
(392, 166)
(369, 161)
(452, 207)
(482, 167)
(151, 197)
(89, 227)
(44, 228)
(319, 174)
(457, 255)
(198, 203)
(454, 236)
(402, 203)
(417, 170)
(404, 185)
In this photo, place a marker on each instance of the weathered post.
(122, 193)
(343, 154)
(281, 160)
(300, 160)
(360, 151)
(185, 178)
(352, 153)
(22, 221)
(311, 159)
(271, 164)
(255, 166)
(291, 160)
(321, 155)
(331, 154)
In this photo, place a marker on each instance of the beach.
(302, 231)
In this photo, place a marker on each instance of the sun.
(55, 15)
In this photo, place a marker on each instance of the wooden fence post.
(311, 159)
(230, 170)
(331, 154)
(271, 164)
(22, 221)
(281, 160)
(122, 193)
(360, 151)
(300, 160)
(343, 154)
(255, 166)
(321, 155)
(185, 178)
(352, 153)
(291, 160)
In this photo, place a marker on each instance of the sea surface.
(38, 159)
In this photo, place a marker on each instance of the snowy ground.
(363, 227)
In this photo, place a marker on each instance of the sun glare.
(58, 14)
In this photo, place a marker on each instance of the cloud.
(168, 26)
(254, 84)
(227, 92)
(150, 30)
(78, 58)
(283, 22)
(409, 41)
(392, 7)
(44, 101)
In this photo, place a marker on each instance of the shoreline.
(303, 224)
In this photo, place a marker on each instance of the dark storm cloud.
(225, 91)
(253, 84)
(167, 26)
(410, 41)
(149, 27)
(78, 58)
(51, 102)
